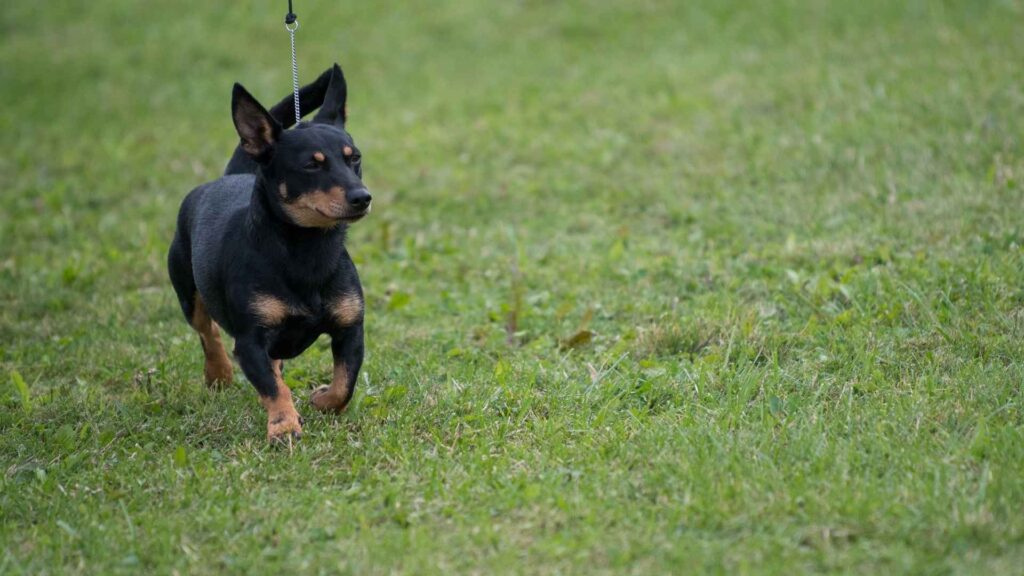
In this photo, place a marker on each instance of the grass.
(726, 287)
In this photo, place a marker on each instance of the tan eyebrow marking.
(319, 156)
(347, 150)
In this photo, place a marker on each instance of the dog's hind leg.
(217, 368)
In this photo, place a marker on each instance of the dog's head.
(312, 174)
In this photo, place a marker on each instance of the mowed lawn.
(652, 287)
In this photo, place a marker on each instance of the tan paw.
(218, 374)
(327, 400)
(284, 426)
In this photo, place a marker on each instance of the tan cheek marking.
(326, 201)
(282, 189)
(347, 150)
(317, 209)
(271, 311)
(347, 310)
(319, 156)
(309, 211)
(307, 217)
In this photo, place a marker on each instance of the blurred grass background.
(725, 286)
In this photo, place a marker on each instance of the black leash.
(291, 24)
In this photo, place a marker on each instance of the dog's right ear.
(256, 127)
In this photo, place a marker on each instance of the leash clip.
(290, 17)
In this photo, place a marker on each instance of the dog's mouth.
(347, 216)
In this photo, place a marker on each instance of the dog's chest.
(308, 313)
(299, 328)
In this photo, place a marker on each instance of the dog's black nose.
(360, 199)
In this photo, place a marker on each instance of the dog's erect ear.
(332, 111)
(256, 127)
(311, 96)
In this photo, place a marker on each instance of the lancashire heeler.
(261, 254)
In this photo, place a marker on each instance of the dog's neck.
(309, 254)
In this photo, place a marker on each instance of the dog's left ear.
(332, 111)
(256, 127)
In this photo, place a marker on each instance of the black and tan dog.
(260, 252)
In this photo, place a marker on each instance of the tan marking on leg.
(217, 367)
(283, 421)
(333, 398)
(318, 208)
(270, 310)
(347, 309)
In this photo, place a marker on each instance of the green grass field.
(652, 286)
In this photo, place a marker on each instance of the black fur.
(238, 237)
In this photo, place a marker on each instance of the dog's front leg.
(347, 349)
(265, 374)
